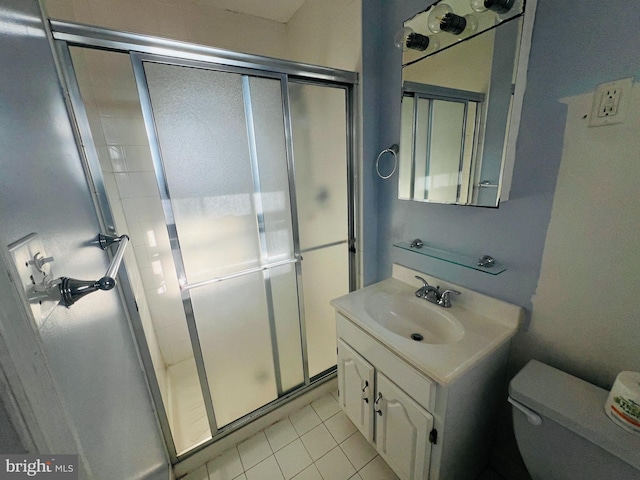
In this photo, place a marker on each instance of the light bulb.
(436, 15)
(442, 19)
(499, 6)
(478, 6)
(407, 39)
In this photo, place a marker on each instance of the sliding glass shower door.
(234, 181)
(223, 169)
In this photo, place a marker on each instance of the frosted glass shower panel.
(423, 136)
(283, 284)
(319, 120)
(270, 163)
(328, 272)
(202, 129)
(445, 151)
(406, 149)
(233, 322)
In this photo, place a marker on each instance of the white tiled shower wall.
(118, 133)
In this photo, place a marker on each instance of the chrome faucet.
(432, 294)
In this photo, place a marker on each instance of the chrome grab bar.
(71, 290)
(122, 241)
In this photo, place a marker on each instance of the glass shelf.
(450, 257)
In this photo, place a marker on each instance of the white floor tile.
(326, 407)
(225, 467)
(319, 433)
(254, 450)
(281, 434)
(335, 465)
(305, 419)
(340, 427)
(266, 470)
(377, 469)
(309, 473)
(293, 459)
(318, 441)
(358, 450)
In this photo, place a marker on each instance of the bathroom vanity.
(421, 382)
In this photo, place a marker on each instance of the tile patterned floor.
(317, 442)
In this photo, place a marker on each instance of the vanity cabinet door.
(355, 387)
(402, 431)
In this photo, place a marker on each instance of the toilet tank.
(576, 439)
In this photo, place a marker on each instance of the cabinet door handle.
(378, 398)
(365, 397)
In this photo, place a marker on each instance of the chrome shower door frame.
(139, 48)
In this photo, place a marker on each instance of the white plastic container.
(623, 403)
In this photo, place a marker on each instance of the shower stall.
(233, 175)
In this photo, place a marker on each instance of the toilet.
(563, 432)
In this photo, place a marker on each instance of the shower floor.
(189, 421)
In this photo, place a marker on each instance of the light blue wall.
(576, 45)
(43, 189)
(372, 74)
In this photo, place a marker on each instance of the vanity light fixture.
(407, 39)
(442, 19)
(499, 6)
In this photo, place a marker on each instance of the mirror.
(464, 67)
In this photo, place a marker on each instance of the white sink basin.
(411, 317)
(453, 339)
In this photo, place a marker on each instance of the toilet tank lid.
(576, 405)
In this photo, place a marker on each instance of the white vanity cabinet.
(376, 404)
(402, 430)
(356, 379)
(389, 418)
(423, 383)
(422, 429)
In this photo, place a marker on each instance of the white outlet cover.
(23, 252)
(623, 91)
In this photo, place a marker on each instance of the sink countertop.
(487, 322)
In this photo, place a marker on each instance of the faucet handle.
(445, 301)
(424, 282)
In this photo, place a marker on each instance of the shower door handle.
(71, 290)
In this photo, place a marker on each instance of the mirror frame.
(513, 121)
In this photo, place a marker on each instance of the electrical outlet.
(610, 102)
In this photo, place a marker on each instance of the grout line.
(299, 437)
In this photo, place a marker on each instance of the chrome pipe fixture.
(432, 294)
(486, 261)
(71, 290)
